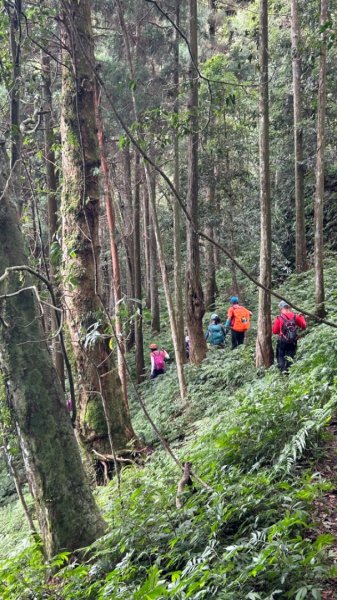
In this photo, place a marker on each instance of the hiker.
(238, 320)
(215, 334)
(285, 326)
(158, 358)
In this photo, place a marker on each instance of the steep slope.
(257, 440)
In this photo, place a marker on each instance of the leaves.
(253, 440)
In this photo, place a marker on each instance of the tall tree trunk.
(116, 273)
(147, 243)
(170, 306)
(102, 418)
(51, 183)
(210, 288)
(264, 349)
(212, 20)
(129, 245)
(230, 227)
(178, 283)
(140, 365)
(66, 511)
(320, 160)
(194, 295)
(168, 296)
(155, 310)
(301, 247)
(14, 10)
(230, 224)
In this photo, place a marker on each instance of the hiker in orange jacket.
(285, 326)
(238, 319)
(158, 358)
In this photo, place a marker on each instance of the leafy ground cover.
(256, 440)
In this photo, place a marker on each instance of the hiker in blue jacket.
(215, 334)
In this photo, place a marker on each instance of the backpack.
(241, 319)
(159, 362)
(217, 335)
(289, 330)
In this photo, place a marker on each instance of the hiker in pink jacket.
(158, 358)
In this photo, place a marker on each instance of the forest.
(168, 268)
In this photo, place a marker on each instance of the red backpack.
(289, 329)
(158, 357)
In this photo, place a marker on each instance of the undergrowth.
(255, 440)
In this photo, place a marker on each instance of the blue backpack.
(217, 334)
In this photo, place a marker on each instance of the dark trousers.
(285, 350)
(238, 337)
(157, 372)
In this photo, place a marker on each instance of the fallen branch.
(110, 457)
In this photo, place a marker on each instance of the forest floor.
(266, 527)
(325, 507)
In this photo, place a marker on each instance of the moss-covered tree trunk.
(14, 10)
(51, 184)
(102, 416)
(66, 511)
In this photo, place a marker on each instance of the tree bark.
(264, 349)
(129, 245)
(147, 245)
(210, 288)
(116, 273)
(230, 227)
(155, 310)
(66, 511)
(140, 365)
(14, 12)
(194, 295)
(232, 267)
(320, 163)
(301, 247)
(51, 184)
(178, 283)
(212, 20)
(102, 418)
(168, 296)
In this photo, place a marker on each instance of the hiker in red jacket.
(285, 326)
(158, 358)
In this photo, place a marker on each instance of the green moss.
(94, 417)
(72, 139)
